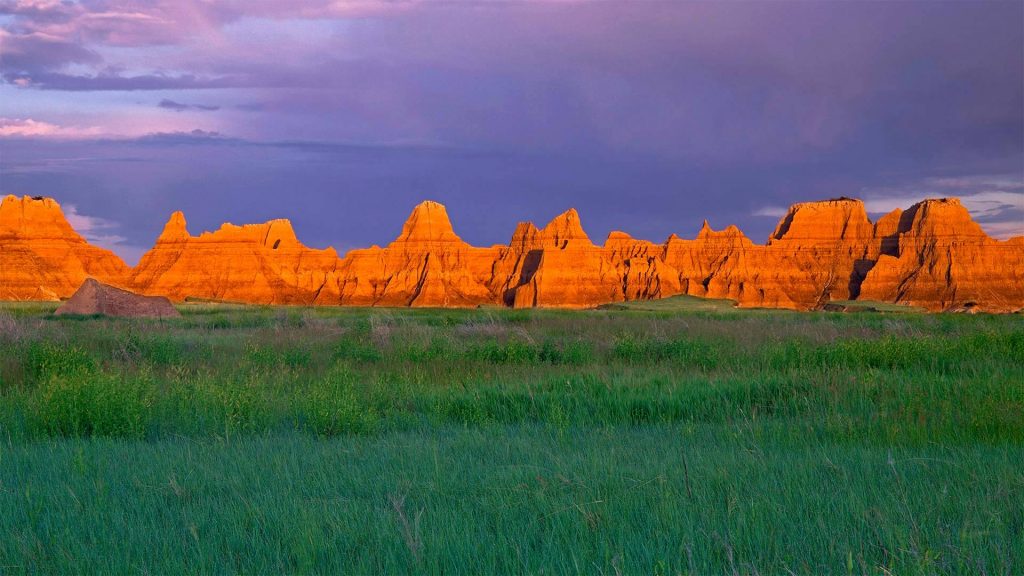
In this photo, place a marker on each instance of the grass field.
(679, 439)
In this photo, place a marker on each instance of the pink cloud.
(114, 128)
(160, 22)
(29, 128)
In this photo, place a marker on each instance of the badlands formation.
(41, 255)
(932, 255)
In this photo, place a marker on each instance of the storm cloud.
(645, 116)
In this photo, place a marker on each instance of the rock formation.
(932, 255)
(97, 298)
(814, 255)
(256, 263)
(559, 266)
(41, 255)
(937, 257)
(427, 265)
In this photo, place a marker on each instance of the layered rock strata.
(256, 263)
(41, 255)
(427, 265)
(935, 256)
(932, 255)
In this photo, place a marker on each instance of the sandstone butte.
(41, 255)
(932, 255)
(255, 263)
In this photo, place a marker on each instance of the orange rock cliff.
(932, 255)
(41, 255)
(257, 263)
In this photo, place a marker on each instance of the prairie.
(680, 438)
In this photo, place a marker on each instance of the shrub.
(630, 349)
(47, 359)
(573, 353)
(510, 352)
(297, 357)
(91, 405)
(356, 350)
(162, 350)
(335, 405)
(688, 352)
(261, 356)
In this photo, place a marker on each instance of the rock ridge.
(932, 255)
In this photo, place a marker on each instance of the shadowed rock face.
(97, 298)
(42, 257)
(931, 255)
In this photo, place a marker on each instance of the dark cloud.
(179, 107)
(31, 52)
(645, 116)
(196, 136)
(250, 107)
(357, 195)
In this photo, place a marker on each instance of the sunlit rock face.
(560, 267)
(937, 257)
(256, 263)
(427, 265)
(931, 255)
(816, 254)
(41, 255)
(723, 264)
(644, 273)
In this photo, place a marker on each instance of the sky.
(648, 117)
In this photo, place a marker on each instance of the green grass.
(682, 303)
(671, 440)
(877, 306)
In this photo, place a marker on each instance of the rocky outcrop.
(41, 255)
(558, 266)
(937, 257)
(820, 254)
(97, 298)
(427, 265)
(640, 264)
(816, 254)
(256, 263)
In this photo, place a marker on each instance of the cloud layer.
(640, 114)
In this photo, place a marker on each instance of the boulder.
(94, 297)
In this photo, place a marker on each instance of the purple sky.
(646, 116)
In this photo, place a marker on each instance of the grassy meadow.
(677, 438)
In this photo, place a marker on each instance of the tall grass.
(423, 441)
(663, 499)
(325, 372)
